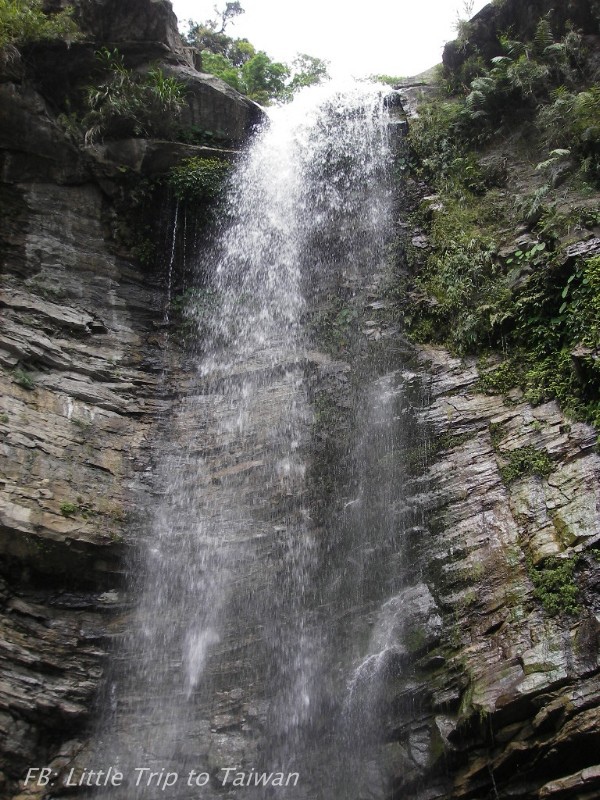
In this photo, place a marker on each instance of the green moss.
(555, 585)
(525, 461)
(564, 531)
(448, 441)
(67, 509)
(4, 418)
(415, 639)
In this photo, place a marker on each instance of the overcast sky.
(393, 37)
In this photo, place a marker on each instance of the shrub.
(23, 21)
(525, 461)
(23, 379)
(198, 178)
(573, 121)
(541, 309)
(580, 309)
(555, 585)
(68, 509)
(128, 103)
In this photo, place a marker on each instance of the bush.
(525, 461)
(23, 21)
(539, 308)
(555, 585)
(462, 284)
(128, 103)
(199, 179)
(573, 121)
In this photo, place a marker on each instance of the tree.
(307, 71)
(219, 65)
(24, 21)
(203, 36)
(264, 79)
(253, 73)
(230, 12)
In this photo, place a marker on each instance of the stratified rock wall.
(502, 699)
(81, 372)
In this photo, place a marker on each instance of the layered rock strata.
(82, 361)
(499, 692)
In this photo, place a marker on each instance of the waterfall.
(251, 614)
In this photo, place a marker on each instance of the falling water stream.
(249, 644)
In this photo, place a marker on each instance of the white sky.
(393, 37)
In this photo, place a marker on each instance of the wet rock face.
(507, 697)
(75, 411)
(81, 349)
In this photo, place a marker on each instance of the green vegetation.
(388, 80)
(23, 379)
(251, 72)
(555, 585)
(128, 103)
(527, 123)
(68, 509)
(334, 326)
(23, 21)
(4, 418)
(525, 461)
(198, 178)
(85, 510)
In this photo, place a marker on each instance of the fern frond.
(543, 37)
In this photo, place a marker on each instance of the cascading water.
(243, 647)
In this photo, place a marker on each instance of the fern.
(531, 206)
(543, 38)
(513, 47)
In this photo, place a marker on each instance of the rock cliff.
(500, 695)
(493, 689)
(82, 352)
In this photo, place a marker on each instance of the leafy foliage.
(525, 461)
(529, 74)
(23, 21)
(388, 80)
(127, 103)
(530, 301)
(198, 178)
(251, 72)
(572, 121)
(263, 79)
(68, 509)
(307, 71)
(555, 585)
(461, 285)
